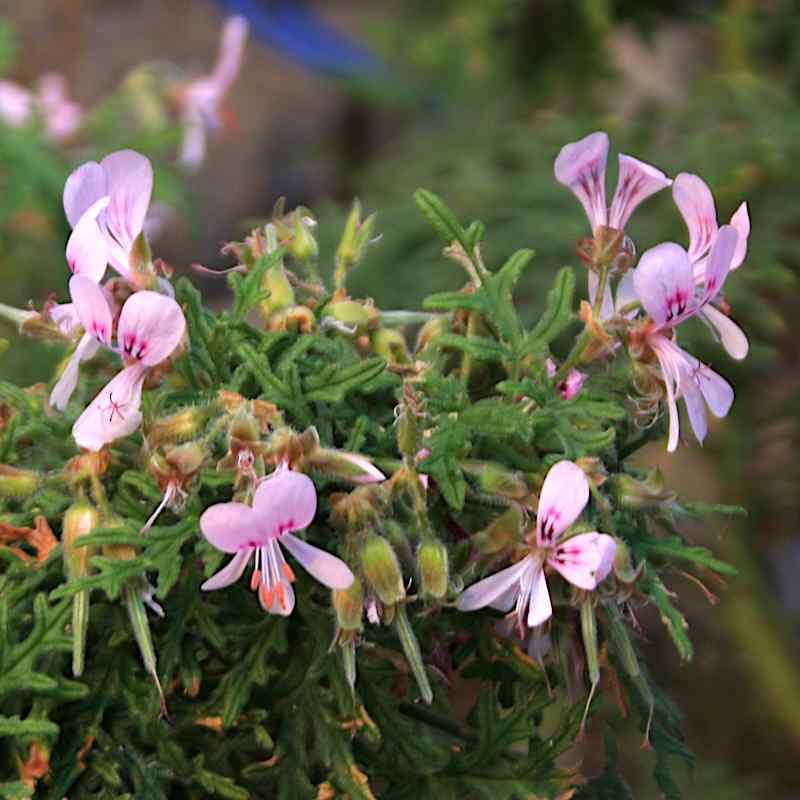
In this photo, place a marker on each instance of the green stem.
(575, 355)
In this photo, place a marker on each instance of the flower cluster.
(475, 470)
(670, 284)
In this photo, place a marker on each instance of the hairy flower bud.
(496, 479)
(15, 482)
(79, 519)
(353, 316)
(434, 569)
(642, 495)
(390, 344)
(348, 466)
(382, 570)
(349, 606)
(502, 533)
(281, 294)
(355, 238)
(181, 425)
(624, 569)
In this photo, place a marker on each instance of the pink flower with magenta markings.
(581, 167)
(571, 385)
(106, 205)
(199, 102)
(284, 503)
(584, 560)
(696, 204)
(665, 284)
(150, 327)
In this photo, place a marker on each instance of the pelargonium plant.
(450, 550)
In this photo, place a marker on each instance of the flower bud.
(281, 294)
(642, 495)
(353, 315)
(382, 570)
(623, 564)
(79, 519)
(495, 479)
(17, 483)
(183, 424)
(430, 331)
(301, 244)
(390, 344)
(294, 318)
(434, 569)
(349, 606)
(356, 237)
(348, 466)
(502, 533)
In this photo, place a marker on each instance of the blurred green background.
(473, 99)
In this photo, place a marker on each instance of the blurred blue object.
(295, 29)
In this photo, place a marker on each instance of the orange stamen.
(281, 594)
(255, 579)
(265, 595)
(288, 572)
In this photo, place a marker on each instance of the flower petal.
(229, 574)
(231, 527)
(583, 558)
(489, 590)
(231, 50)
(87, 252)
(92, 307)
(741, 222)
(636, 182)
(193, 146)
(540, 609)
(114, 413)
(68, 379)
(717, 392)
(281, 600)
(16, 104)
(130, 184)
(730, 334)
(670, 360)
(285, 502)
(664, 284)
(565, 493)
(83, 188)
(581, 166)
(326, 568)
(151, 326)
(719, 262)
(695, 407)
(696, 204)
(626, 295)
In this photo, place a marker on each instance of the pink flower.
(284, 503)
(62, 117)
(106, 205)
(571, 385)
(581, 167)
(665, 284)
(16, 104)
(201, 100)
(150, 327)
(584, 560)
(696, 204)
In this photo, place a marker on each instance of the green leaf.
(557, 313)
(15, 726)
(477, 346)
(441, 218)
(673, 620)
(334, 388)
(675, 547)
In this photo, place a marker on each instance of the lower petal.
(68, 380)
(490, 590)
(540, 609)
(327, 569)
(114, 413)
(229, 574)
(279, 601)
